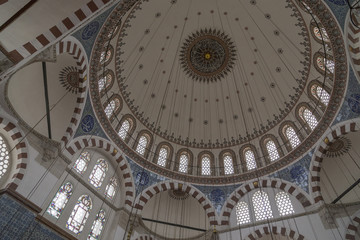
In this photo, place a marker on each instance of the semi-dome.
(237, 88)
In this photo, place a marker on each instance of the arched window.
(124, 129)
(228, 164)
(106, 55)
(250, 159)
(292, 137)
(4, 157)
(261, 205)
(142, 144)
(59, 201)
(79, 215)
(272, 150)
(183, 163)
(98, 173)
(242, 213)
(320, 34)
(105, 81)
(97, 226)
(111, 188)
(82, 162)
(308, 117)
(325, 64)
(163, 153)
(205, 166)
(284, 204)
(320, 94)
(112, 107)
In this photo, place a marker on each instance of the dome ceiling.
(210, 76)
(255, 72)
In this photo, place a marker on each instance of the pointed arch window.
(112, 107)
(284, 204)
(124, 129)
(105, 81)
(205, 166)
(292, 137)
(228, 164)
(242, 213)
(163, 153)
(110, 190)
(97, 226)
(272, 150)
(320, 94)
(262, 206)
(250, 159)
(98, 173)
(308, 117)
(59, 201)
(105, 56)
(321, 34)
(141, 146)
(79, 215)
(82, 162)
(183, 163)
(325, 64)
(4, 157)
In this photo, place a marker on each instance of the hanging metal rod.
(174, 224)
(346, 191)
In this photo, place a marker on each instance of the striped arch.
(96, 142)
(353, 227)
(151, 191)
(21, 153)
(144, 237)
(286, 232)
(58, 31)
(352, 40)
(331, 135)
(235, 197)
(73, 47)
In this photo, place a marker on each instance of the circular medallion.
(142, 178)
(207, 55)
(90, 30)
(87, 123)
(69, 79)
(354, 102)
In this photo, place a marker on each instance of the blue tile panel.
(87, 35)
(89, 124)
(17, 222)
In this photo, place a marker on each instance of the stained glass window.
(320, 93)
(183, 165)
(308, 117)
(111, 188)
(262, 206)
(272, 150)
(4, 157)
(292, 137)
(105, 82)
(141, 147)
(81, 163)
(97, 226)
(59, 201)
(124, 129)
(105, 56)
(228, 164)
(112, 107)
(79, 215)
(330, 65)
(162, 157)
(284, 204)
(98, 173)
(205, 166)
(321, 35)
(242, 213)
(250, 159)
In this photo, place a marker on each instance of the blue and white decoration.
(90, 30)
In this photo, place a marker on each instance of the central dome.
(214, 80)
